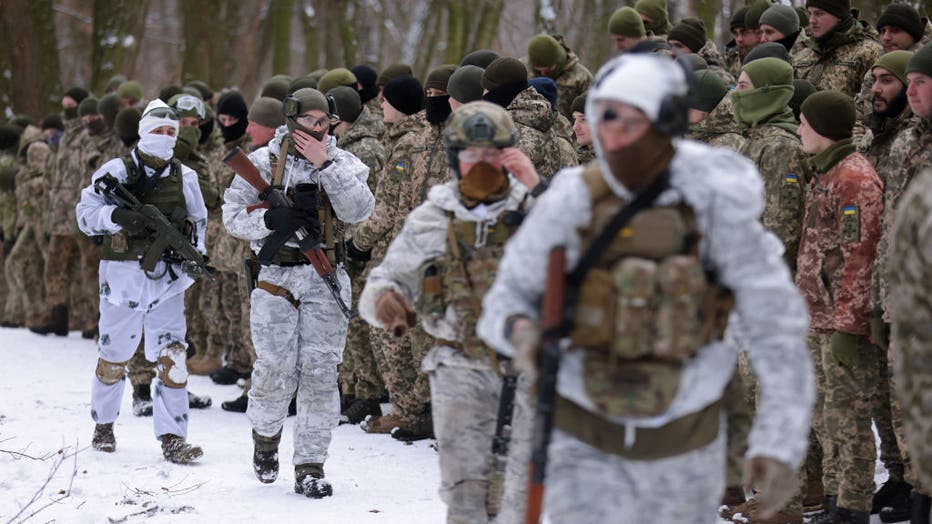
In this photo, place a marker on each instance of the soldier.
(130, 91)
(595, 473)
(12, 313)
(840, 52)
(265, 116)
(53, 127)
(548, 56)
(464, 86)
(836, 254)
(387, 75)
(340, 76)
(562, 127)
(133, 300)
(399, 191)
(780, 24)
(688, 36)
(464, 379)
(655, 16)
(743, 41)
(366, 87)
(297, 326)
(709, 91)
(358, 132)
(626, 29)
(584, 150)
(909, 276)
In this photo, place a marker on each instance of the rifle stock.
(552, 323)
(273, 198)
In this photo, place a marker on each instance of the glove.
(395, 312)
(131, 221)
(356, 259)
(845, 348)
(775, 481)
(525, 338)
(880, 330)
(290, 218)
(305, 197)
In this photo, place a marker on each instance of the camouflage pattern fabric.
(863, 100)
(364, 139)
(882, 413)
(8, 209)
(65, 180)
(534, 120)
(399, 362)
(717, 133)
(563, 129)
(732, 60)
(241, 356)
(572, 82)
(585, 154)
(716, 63)
(840, 63)
(909, 274)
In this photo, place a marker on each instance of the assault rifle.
(167, 236)
(550, 352)
(273, 198)
(503, 427)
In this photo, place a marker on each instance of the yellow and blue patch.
(790, 178)
(850, 210)
(400, 166)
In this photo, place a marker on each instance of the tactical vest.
(461, 277)
(645, 307)
(167, 195)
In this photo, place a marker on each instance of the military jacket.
(716, 63)
(31, 186)
(532, 115)
(8, 207)
(65, 184)
(718, 133)
(364, 139)
(838, 64)
(226, 252)
(572, 82)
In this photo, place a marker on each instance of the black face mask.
(438, 109)
(96, 127)
(207, 129)
(367, 93)
(234, 132)
(504, 94)
(71, 113)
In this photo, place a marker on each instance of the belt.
(682, 435)
(278, 291)
(449, 343)
(290, 256)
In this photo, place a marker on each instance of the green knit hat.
(656, 10)
(303, 82)
(108, 107)
(275, 88)
(392, 72)
(921, 62)
(769, 72)
(626, 22)
(830, 114)
(88, 106)
(836, 8)
(579, 104)
(781, 17)
(690, 32)
(709, 91)
(503, 71)
(545, 51)
(465, 84)
(895, 62)
(755, 10)
(439, 77)
(340, 76)
(130, 89)
(202, 88)
(802, 89)
(316, 75)
(737, 19)
(696, 62)
(803, 15)
(347, 102)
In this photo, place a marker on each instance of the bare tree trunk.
(30, 31)
(487, 28)
(114, 37)
(347, 11)
(281, 23)
(430, 37)
(6, 87)
(456, 31)
(256, 45)
(310, 22)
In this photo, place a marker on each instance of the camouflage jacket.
(567, 141)
(8, 171)
(718, 133)
(585, 154)
(779, 156)
(226, 252)
(910, 153)
(572, 82)
(532, 115)
(733, 59)
(65, 181)
(31, 187)
(839, 243)
(864, 98)
(716, 63)
(838, 64)
(394, 195)
(204, 161)
(364, 139)
(429, 163)
(880, 132)
(99, 149)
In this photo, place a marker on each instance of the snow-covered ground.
(45, 423)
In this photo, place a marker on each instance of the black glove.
(305, 197)
(131, 221)
(290, 218)
(356, 259)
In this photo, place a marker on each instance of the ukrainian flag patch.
(790, 178)
(400, 166)
(850, 210)
(850, 224)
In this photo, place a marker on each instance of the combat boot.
(921, 505)
(383, 424)
(733, 496)
(204, 365)
(238, 405)
(422, 427)
(893, 499)
(309, 481)
(90, 333)
(199, 401)
(176, 449)
(828, 511)
(142, 400)
(815, 495)
(265, 457)
(103, 438)
(57, 325)
(227, 376)
(346, 401)
(850, 516)
(359, 409)
(748, 513)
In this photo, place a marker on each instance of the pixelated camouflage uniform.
(909, 275)
(716, 62)
(836, 256)
(863, 100)
(585, 154)
(718, 133)
(838, 63)
(563, 129)
(8, 208)
(574, 79)
(733, 59)
(534, 119)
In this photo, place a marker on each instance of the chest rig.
(165, 193)
(331, 228)
(644, 307)
(461, 277)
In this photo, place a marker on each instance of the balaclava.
(366, 77)
(504, 79)
(438, 107)
(233, 104)
(161, 147)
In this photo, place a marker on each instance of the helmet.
(479, 124)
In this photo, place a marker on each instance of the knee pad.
(172, 365)
(110, 372)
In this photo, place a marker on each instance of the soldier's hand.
(393, 311)
(519, 165)
(525, 339)
(131, 221)
(775, 481)
(880, 330)
(356, 259)
(845, 349)
(310, 148)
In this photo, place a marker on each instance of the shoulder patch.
(850, 223)
(400, 166)
(790, 178)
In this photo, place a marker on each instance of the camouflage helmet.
(479, 123)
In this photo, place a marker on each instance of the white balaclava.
(157, 115)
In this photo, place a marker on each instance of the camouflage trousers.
(298, 349)
(844, 430)
(586, 485)
(139, 370)
(359, 374)
(66, 280)
(399, 360)
(85, 297)
(24, 273)
(911, 349)
(197, 322)
(240, 355)
(221, 309)
(890, 454)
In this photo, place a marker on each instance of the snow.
(45, 414)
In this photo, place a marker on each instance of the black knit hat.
(232, 103)
(579, 104)
(690, 32)
(77, 93)
(837, 8)
(830, 114)
(903, 16)
(481, 58)
(405, 94)
(53, 121)
(504, 70)
(366, 77)
(9, 136)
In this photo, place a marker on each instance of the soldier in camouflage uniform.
(297, 326)
(689, 36)
(655, 15)
(836, 256)
(12, 314)
(841, 50)
(780, 24)
(366, 78)
(743, 41)
(909, 275)
(626, 29)
(562, 128)
(359, 132)
(584, 149)
(399, 191)
(440, 264)
(709, 93)
(549, 56)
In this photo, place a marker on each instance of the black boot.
(198, 401)
(226, 376)
(103, 438)
(828, 511)
(921, 505)
(265, 456)
(309, 481)
(893, 494)
(236, 406)
(850, 516)
(58, 325)
(422, 427)
(142, 400)
(359, 409)
(346, 401)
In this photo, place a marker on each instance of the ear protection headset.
(291, 107)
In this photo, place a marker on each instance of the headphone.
(291, 107)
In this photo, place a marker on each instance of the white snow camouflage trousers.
(297, 350)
